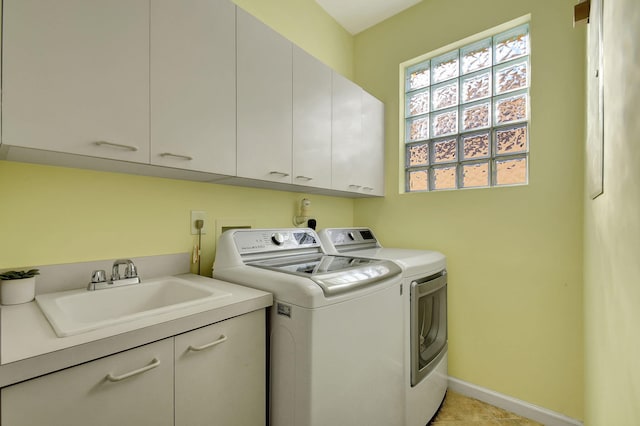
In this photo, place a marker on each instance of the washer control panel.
(269, 240)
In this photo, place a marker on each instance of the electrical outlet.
(198, 215)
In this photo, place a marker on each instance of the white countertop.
(29, 346)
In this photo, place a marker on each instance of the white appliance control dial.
(277, 238)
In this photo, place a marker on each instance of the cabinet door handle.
(169, 154)
(367, 188)
(117, 145)
(222, 338)
(281, 174)
(307, 178)
(154, 363)
(355, 186)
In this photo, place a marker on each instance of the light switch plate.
(195, 215)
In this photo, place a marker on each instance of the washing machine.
(424, 286)
(335, 329)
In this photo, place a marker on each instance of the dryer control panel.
(346, 239)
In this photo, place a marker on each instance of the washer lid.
(410, 260)
(334, 274)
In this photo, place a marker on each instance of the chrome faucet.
(99, 280)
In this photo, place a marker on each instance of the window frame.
(493, 160)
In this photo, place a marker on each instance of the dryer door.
(428, 324)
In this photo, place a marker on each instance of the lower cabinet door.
(132, 388)
(220, 373)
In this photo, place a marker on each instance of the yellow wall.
(612, 234)
(58, 215)
(514, 254)
(53, 215)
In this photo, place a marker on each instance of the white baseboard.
(519, 407)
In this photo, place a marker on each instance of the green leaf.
(18, 275)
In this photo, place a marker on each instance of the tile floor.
(459, 410)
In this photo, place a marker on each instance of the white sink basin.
(78, 311)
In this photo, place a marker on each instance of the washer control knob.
(352, 236)
(277, 238)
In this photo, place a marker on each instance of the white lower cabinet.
(221, 373)
(213, 375)
(96, 393)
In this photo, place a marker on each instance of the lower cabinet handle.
(307, 178)
(154, 363)
(117, 145)
(281, 174)
(169, 154)
(222, 338)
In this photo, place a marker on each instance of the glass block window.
(466, 115)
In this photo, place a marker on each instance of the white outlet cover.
(196, 215)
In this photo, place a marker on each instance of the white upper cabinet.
(371, 162)
(357, 139)
(198, 87)
(311, 121)
(346, 134)
(193, 80)
(264, 73)
(76, 76)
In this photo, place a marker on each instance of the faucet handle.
(99, 276)
(130, 271)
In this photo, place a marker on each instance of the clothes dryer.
(424, 286)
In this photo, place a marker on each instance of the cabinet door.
(91, 394)
(346, 134)
(371, 165)
(75, 76)
(264, 101)
(220, 373)
(193, 82)
(311, 121)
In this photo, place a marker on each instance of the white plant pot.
(13, 292)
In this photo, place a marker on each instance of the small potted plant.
(18, 286)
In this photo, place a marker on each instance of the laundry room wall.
(51, 215)
(612, 233)
(514, 253)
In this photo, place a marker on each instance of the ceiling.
(358, 15)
